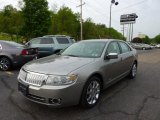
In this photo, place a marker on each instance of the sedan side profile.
(13, 54)
(79, 74)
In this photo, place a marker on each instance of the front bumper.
(56, 96)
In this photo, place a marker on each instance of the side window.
(124, 47)
(47, 41)
(113, 47)
(35, 41)
(62, 40)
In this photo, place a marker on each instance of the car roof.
(102, 40)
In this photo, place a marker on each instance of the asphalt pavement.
(137, 99)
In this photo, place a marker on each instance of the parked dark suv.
(50, 44)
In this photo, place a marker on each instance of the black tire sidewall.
(83, 101)
(131, 72)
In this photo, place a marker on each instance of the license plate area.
(23, 88)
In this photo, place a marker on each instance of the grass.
(5, 36)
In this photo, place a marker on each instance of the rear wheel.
(133, 71)
(143, 48)
(5, 64)
(91, 92)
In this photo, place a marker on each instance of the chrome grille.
(32, 78)
(22, 75)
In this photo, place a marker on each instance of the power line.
(135, 4)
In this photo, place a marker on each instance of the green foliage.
(64, 22)
(11, 21)
(157, 39)
(34, 20)
(146, 40)
(37, 18)
(4, 36)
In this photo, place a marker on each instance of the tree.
(137, 40)
(37, 18)
(146, 40)
(11, 21)
(157, 39)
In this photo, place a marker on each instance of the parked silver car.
(13, 54)
(79, 74)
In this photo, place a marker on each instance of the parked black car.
(13, 54)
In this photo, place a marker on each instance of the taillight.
(24, 52)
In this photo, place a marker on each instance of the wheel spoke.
(93, 92)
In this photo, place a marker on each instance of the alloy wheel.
(93, 92)
(4, 64)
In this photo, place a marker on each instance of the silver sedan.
(78, 74)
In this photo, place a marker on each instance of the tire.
(5, 63)
(133, 71)
(91, 92)
(143, 48)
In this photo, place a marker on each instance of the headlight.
(61, 80)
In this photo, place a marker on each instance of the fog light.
(54, 101)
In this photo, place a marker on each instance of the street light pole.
(110, 18)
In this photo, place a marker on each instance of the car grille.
(32, 78)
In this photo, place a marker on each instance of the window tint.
(113, 48)
(35, 41)
(46, 41)
(125, 48)
(62, 40)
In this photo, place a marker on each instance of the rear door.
(126, 56)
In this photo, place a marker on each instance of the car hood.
(57, 65)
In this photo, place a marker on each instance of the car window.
(47, 41)
(62, 40)
(35, 41)
(124, 47)
(113, 47)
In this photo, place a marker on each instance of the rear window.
(47, 41)
(62, 40)
(13, 44)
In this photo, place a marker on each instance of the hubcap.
(4, 64)
(134, 70)
(93, 92)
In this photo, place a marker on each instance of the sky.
(148, 11)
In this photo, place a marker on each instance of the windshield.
(85, 49)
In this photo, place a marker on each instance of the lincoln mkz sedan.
(78, 74)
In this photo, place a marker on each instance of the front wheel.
(91, 92)
(5, 64)
(133, 71)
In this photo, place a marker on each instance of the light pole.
(110, 18)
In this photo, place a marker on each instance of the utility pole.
(81, 17)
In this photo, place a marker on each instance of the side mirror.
(28, 44)
(112, 56)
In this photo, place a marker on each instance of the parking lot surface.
(137, 99)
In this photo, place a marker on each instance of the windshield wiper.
(72, 55)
